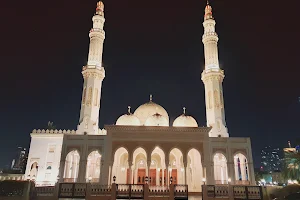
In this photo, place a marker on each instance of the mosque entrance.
(152, 180)
(174, 176)
(141, 176)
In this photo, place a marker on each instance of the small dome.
(147, 110)
(185, 121)
(128, 119)
(157, 120)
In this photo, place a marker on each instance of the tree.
(50, 126)
(292, 165)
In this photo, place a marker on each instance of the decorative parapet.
(47, 131)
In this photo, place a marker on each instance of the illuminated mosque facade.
(143, 143)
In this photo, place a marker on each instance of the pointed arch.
(71, 166)
(194, 171)
(220, 168)
(121, 166)
(241, 168)
(93, 167)
(176, 166)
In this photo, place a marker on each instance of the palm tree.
(291, 169)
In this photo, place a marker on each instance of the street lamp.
(114, 179)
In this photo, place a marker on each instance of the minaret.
(212, 77)
(93, 74)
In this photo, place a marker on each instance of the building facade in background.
(144, 143)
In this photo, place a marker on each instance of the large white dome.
(185, 121)
(147, 110)
(157, 120)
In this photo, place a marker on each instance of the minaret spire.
(212, 77)
(93, 74)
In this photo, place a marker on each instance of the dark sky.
(151, 47)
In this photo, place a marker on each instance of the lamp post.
(114, 179)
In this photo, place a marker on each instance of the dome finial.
(129, 107)
(184, 109)
(150, 97)
(207, 2)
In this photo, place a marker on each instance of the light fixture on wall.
(229, 180)
(182, 169)
(204, 181)
(123, 169)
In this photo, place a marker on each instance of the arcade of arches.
(160, 169)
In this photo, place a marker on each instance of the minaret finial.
(100, 8)
(129, 107)
(289, 143)
(151, 97)
(184, 110)
(207, 2)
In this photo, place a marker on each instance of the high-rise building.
(20, 160)
(270, 159)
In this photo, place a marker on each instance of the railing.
(221, 191)
(159, 191)
(99, 190)
(45, 191)
(237, 192)
(129, 191)
(181, 192)
(72, 190)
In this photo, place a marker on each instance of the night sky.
(151, 47)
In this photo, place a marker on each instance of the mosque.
(142, 145)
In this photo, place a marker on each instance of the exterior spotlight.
(114, 179)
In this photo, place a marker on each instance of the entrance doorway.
(152, 178)
(141, 176)
(174, 176)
